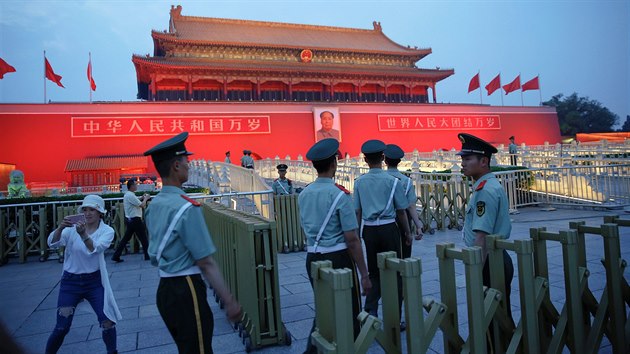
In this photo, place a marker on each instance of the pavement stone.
(29, 294)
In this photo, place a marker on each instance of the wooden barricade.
(247, 255)
(290, 235)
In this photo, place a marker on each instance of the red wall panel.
(38, 138)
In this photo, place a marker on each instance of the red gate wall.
(40, 138)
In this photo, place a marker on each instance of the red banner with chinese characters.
(105, 127)
(421, 122)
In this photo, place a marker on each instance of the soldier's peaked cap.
(169, 148)
(282, 167)
(393, 151)
(372, 147)
(323, 149)
(474, 145)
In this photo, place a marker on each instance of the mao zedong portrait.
(327, 119)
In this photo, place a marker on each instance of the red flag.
(494, 85)
(50, 74)
(89, 75)
(5, 68)
(531, 85)
(474, 83)
(513, 86)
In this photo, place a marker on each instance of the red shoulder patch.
(342, 188)
(275, 180)
(190, 200)
(481, 185)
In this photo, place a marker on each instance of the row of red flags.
(495, 84)
(50, 73)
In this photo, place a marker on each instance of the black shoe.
(146, 258)
(117, 260)
(403, 326)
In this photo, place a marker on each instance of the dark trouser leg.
(508, 269)
(185, 311)
(123, 243)
(339, 259)
(379, 239)
(70, 294)
(140, 230)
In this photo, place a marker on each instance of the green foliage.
(581, 115)
(626, 126)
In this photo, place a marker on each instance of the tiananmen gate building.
(261, 86)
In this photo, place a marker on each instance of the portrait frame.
(317, 120)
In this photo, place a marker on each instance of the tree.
(626, 125)
(581, 115)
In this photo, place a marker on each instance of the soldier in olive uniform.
(513, 150)
(282, 185)
(487, 209)
(182, 249)
(393, 155)
(330, 226)
(380, 204)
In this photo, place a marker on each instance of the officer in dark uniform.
(182, 249)
(487, 212)
(380, 204)
(330, 226)
(282, 185)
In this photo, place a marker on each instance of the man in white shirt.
(133, 220)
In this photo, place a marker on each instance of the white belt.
(378, 222)
(188, 271)
(322, 249)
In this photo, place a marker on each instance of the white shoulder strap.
(327, 219)
(169, 231)
(391, 197)
(408, 185)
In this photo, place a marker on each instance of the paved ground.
(29, 293)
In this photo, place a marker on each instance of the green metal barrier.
(610, 312)
(481, 308)
(525, 337)
(246, 252)
(333, 312)
(569, 324)
(291, 238)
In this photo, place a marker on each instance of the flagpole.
(44, 77)
(501, 88)
(90, 78)
(539, 90)
(479, 76)
(519, 79)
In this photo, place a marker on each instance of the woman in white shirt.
(84, 272)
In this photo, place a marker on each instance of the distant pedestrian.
(85, 273)
(513, 150)
(282, 185)
(247, 161)
(328, 220)
(133, 221)
(182, 248)
(227, 157)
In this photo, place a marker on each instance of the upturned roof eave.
(406, 52)
(427, 74)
